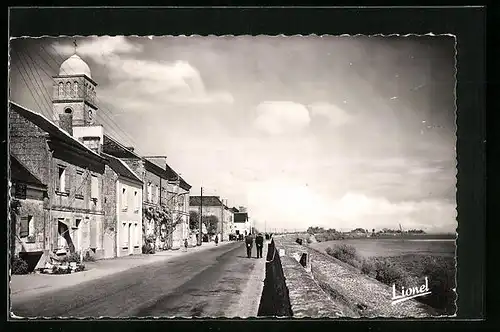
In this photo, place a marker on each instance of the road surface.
(218, 282)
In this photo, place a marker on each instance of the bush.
(299, 241)
(74, 257)
(441, 276)
(367, 266)
(390, 274)
(148, 249)
(88, 257)
(19, 266)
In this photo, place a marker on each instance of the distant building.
(210, 206)
(241, 222)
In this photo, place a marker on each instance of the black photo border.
(468, 24)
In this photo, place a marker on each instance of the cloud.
(175, 82)
(336, 115)
(99, 48)
(279, 117)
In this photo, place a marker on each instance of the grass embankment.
(407, 270)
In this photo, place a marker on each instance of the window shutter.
(66, 181)
(24, 230)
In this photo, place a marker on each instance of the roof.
(234, 210)
(121, 168)
(52, 129)
(74, 65)
(166, 173)
(207, 201)
(115, 148)
(19, 172)
(241, 217)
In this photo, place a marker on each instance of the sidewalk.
(35, 284)
(249, 303)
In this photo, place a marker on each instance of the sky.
(337, 132)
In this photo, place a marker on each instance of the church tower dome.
(73, 66)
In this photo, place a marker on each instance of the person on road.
(185, 244)
(216, 240)
(259, 243)
(249, 245)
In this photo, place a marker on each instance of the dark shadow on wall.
(275, 300)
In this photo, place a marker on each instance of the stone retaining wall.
(275, 301)
(353, 293)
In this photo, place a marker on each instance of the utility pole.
(201, 214)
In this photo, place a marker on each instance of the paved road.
(219, 282)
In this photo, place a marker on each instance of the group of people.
(259, 244)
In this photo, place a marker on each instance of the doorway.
(130, 240)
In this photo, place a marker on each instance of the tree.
(211, 223)
(194, 219)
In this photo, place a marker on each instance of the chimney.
(93, 143)
(66, 122)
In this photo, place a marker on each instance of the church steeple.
(74, 97)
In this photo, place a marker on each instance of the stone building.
(123, 210)
(29, 228)
(163, 188)
(71, 169)
(241, 223)
(228, 224)
(211, 206)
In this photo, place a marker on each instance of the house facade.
(211, 207)
(123, 210)
(73, 172)
(241, 223)
(28, 226)
(228, 224)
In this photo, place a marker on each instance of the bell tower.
(74, 96)
(74, 102)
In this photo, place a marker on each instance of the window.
(124, 199)
(62, 184)
(60, 92)
(137, 236)
(125, 235)
(157, 198)
(75, 89)
(80, 179)
(68, 89)
(94, 190)
(136, 201)
(150, 193)
(27, 229)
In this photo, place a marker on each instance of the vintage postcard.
(233, 176)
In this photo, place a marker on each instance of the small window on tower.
(75, 89)
(68, 89)
(60, 92)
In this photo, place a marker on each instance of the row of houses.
(76, 188)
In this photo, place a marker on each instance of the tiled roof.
(115, 148)
(240, 217)
(51, 128)
(207, 201)
(121, 168)
(19, 172)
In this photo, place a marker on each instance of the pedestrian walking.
(185, 244)
(249, 245)
(216, 239)
(259, 243)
